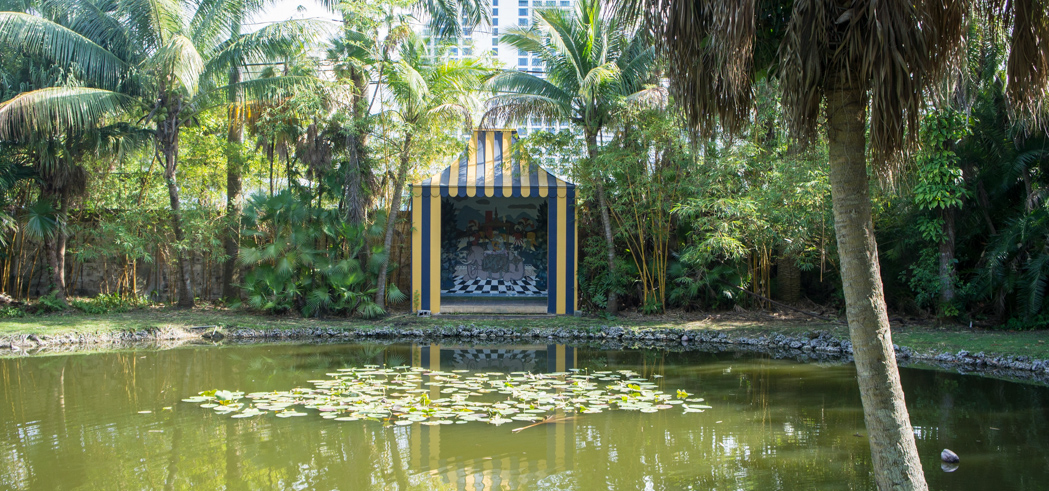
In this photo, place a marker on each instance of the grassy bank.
(917, 337)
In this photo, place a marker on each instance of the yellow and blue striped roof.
(489, 169)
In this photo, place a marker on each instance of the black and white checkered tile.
(513, 288)
(508, 359)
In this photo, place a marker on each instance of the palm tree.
(427, 95)
(871, 66)
(241, 51)
(592, 65)
(158, 63)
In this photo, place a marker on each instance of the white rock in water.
(948, 456)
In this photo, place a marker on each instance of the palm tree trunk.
(234, 197)
(55, 246)
(947, 270)
(167, 139)
(606, 223)
(893, 450)
(353, 182)
(395, 206)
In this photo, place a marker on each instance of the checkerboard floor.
(513, 288)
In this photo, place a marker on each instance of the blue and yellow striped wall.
(490, 170)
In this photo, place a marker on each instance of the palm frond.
(55, 111)
(179, 58)
(276, 41)
(71, 50)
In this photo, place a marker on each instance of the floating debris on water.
(401, 396)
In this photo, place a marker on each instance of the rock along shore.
(811, 346)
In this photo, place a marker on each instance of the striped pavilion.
(490, 173)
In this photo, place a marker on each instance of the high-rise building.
(505, 14)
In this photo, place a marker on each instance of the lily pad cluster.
(407, 395)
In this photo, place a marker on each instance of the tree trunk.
(353, 183)
(893, 450)
(234, 196)
(788, 279)
(395, 206)
(947, 270)
(353, 180)
(167, 139)
(55, 247)
(606, 223)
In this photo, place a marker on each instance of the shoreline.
(812, 345)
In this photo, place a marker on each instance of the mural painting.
(494, 247)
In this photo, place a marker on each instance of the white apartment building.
(476, 41)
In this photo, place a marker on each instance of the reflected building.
(502, 464)
(550, 358)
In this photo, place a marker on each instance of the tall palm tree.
(871, 67)
(592, 65)
(157, 63)
(241, 52)
(427, 94)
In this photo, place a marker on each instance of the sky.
(290, 9)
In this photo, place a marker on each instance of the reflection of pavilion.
(549, 358)
(493, 464)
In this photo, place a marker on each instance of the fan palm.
(592, 65)
(240, 52)
(157, 63)
(428, 94)
(871, 67)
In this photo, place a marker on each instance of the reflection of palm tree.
(365, 354)
(395, 360)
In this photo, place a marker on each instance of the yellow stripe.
(416, 440)
(435, 447)
(543, 183)
(559, 445)
(559, 362)
(417, 247)
(453, 178)
(562, 252)
(435, 253)
(504, 473)
(575, 257)
(508, 167)
(526, 185)
(435, 358)
(454, 471)
(486, 475)
(471, 168)
(489, 164)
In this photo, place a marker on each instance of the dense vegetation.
(263, 169)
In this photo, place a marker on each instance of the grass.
(920, 338)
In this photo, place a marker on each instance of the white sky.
(281, 10)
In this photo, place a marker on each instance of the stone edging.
(814, 345)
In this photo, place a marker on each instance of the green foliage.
(11, 312)
(940, 184)
(112, 303)
(308, 259)
(50, 303)
(709, 288)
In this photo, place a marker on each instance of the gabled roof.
(489, 170)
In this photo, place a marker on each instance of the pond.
(74, 422)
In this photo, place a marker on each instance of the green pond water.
(74, 422)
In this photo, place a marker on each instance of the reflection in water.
(73, 421)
